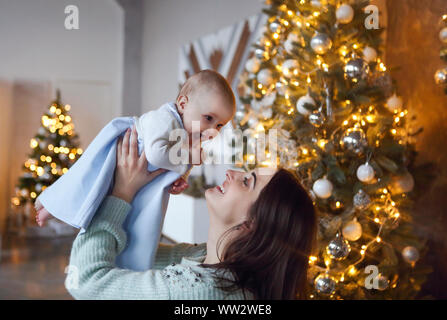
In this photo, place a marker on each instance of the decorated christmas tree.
(441, 74)
(317, 77)
(54, 149)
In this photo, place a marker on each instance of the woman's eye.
(245, 181)
(209, 118)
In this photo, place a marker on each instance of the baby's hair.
(212, 80)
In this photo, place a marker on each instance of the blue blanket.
(76, 196)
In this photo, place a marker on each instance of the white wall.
(169, 24)
(37, 55)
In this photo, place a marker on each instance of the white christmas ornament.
(369, 54)
(38, 187)
(403, 183)
(307, 99)
(365, 172)
(394, 103)
(323, 188)
(352, 231)
(252, 65)
(268, 99)
(265, 77)
(443, 35)
(42, 145)
(267, 113)
(344, 13)
(288, 66)
(316, 3)
(41, 131)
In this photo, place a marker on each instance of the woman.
(262, 228)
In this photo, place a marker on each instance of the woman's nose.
(231, 174)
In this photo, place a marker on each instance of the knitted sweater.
(177, 273)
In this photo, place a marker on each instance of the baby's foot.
(42, 216)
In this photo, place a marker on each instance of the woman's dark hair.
(270, 259)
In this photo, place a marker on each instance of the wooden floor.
(33, 268)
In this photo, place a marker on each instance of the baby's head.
(206, 97)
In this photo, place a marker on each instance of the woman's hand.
(131, 172)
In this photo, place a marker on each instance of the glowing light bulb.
(33, 143)
(352, 270)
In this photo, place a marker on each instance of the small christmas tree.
(316, 76)
(54, 149)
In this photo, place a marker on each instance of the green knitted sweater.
(177, 274)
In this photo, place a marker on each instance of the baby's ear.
(181, 102)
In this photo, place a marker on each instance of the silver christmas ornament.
(41, 131)
(316, 118)
(410, 254)
(361, 200)
(325, 284)
(356, 69)
(354, 140)
(338, 248)
(321, 43)
(382, 282)
(441, 76)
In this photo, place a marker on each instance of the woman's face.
(229, 202)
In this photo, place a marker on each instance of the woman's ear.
(181, 103)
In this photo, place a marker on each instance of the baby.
(206, 98)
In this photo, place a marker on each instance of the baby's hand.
(178, 186)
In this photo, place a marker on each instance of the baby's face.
(209, 109)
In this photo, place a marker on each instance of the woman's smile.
(221, 188)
